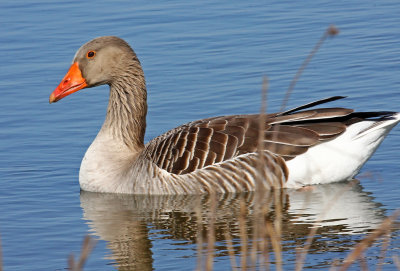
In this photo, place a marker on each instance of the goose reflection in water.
(123, 221)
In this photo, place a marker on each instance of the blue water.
(200, 59)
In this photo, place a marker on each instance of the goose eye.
(90, 54)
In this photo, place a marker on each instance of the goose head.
(97, 62)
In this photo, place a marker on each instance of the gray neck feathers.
(127, 107)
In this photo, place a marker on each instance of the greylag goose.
(301, 146)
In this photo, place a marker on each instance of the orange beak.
(72, 82)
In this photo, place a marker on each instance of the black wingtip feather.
(312, 104)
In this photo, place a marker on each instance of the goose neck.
(127, 109)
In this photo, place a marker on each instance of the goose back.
(202, 143)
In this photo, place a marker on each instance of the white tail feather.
(342, 158)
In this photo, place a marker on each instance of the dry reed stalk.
(278, 228)
(259, 250)
(264, 244)
(256, 234)
(359, 249)
(231, 251)
(385, 247)
(211, 231)
(199, 236)
(260, 142)
(363, 263)
(261, 235)
(87, 247)
(334, 265)
(243, 234)
(330, 32)
(276, 244)
(273, 232)
(396, 261)
(302, 252)
(265, 235)
(1, 257)
(260, 191)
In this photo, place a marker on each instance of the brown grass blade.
(199, 236)
(87, 247)
(211, 232)
(243, 234)
(1, 257)
(385, 247)
(396, 261)
(265, 249)
(302, 252)
(276, 245)
(359, 249)
(363, 263)
(231, 251)
(71, 262)
(331, 31)
(260, 144)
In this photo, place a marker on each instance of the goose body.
(301, 146)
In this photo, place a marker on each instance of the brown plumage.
(204, 142)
